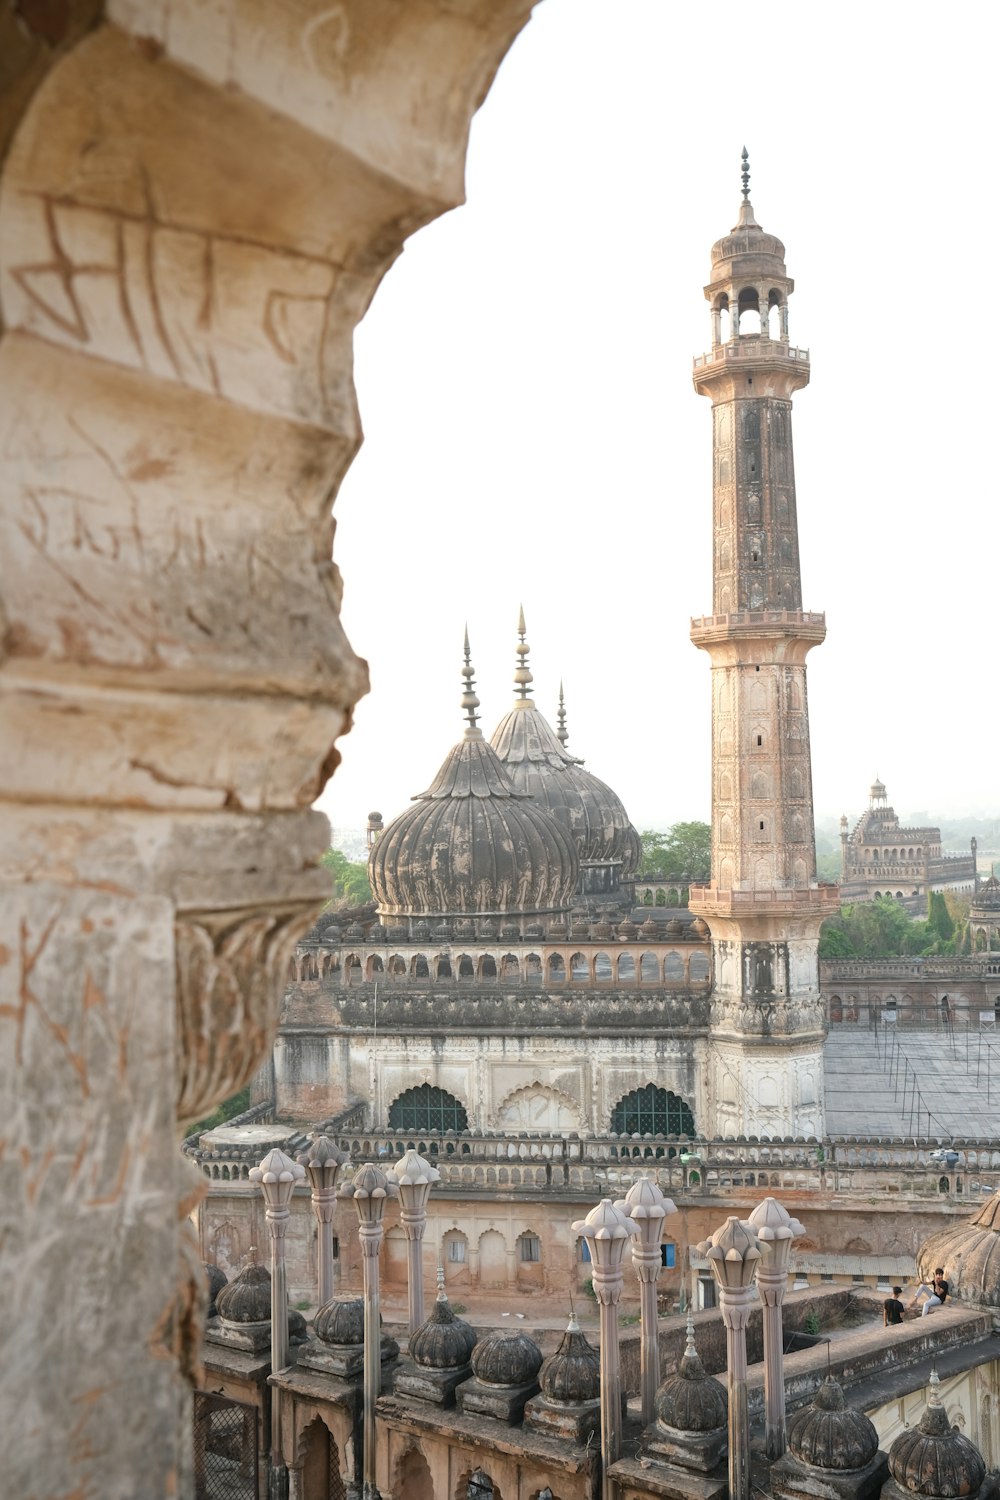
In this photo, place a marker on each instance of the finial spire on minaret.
(522, 673)
(441, 1294)
(746, 176)
(690, 1346)
(562, 733)
(469, 700)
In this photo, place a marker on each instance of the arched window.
(487, 967)
(509, 968)
(397, 967)
(649, 968)
(673, 968)
(532, 966)
(466, 968)
(661, 897)
(602, 967)
(419, 967)
(444, 968)
(698, 968)
(428, 1109)
(651, 1111)
(480, 1486)
(626, 968)
(557, 968)
(579, 969)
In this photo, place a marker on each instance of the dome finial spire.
(562, 733)
(469, 700)
(522, 672)
(746, 175)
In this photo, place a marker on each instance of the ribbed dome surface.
(987, 899)
(573, 1373)
(970, 1255)
(506, 1358)
(587, 809)
(341, 1320)
(444, 1340)
(216, 1279)
(828, 1434)
(473, 844)
(691, 1401)
(247, 1298)
(747, 240)
(934, 1458)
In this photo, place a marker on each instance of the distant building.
(880, 858)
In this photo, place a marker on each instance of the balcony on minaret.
(750, 348)
(757, 625)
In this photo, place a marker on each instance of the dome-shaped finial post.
(469, 700)
(562, 733)
(441, 1294)
(746, 175)
(522, 673)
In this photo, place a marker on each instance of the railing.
(754, 618)
(710, 897)
(748, 346)
(891, 1168)
(836, 970)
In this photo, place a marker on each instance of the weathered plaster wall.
(196, 205)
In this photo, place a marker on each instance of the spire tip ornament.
(746, 175)
(522, 672)
(562, 733)
(469, 700)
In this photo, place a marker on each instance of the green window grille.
(427, 1109)
(651, 1111)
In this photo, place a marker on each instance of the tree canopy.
(350, 880)
(884, 929)
(683, 853)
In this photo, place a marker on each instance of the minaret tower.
(764, 906)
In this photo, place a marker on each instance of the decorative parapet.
(744, 349)
(709, 898)
(757, 624)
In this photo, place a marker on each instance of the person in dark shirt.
(936, 1294)
(892, 1308)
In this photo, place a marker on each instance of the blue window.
(668, 1254)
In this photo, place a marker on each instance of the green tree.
(683, 853)
(876, 929)
(350, 880)
(939, 918)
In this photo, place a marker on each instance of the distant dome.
(690, 1400)
(573, 1373)
(828, 1434)
(473, 844)
(747, 241)
(986, 901)
(444, 1340)
(341, 1320)
(877, 791)
(970, 1254)
(503, 1358)
(934, 1459)
(247, 1298)
(539, 763)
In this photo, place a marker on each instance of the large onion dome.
(933, 1458)
(970, 1255)
(341, 1320)
(444, 1340)
(538, 762)
(573, 1373)
(503, 1358)
(473, 844)
(829, 1434)
(689, 1400)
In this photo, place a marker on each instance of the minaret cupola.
(749, 289)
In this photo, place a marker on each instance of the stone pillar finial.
(370, 1188)
(322, 1164)
(276, 1176)
(647, 1207)
(608, 1230)
(414, 1176)
(733, 1253)
(775, 1229)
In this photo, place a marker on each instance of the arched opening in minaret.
(749, 313)
(722, 323)
(774, 316)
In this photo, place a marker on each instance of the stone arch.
(579, 968)
(319, 1462)
(652, 1111)
(419, 967)
(492, 1258)
(626, 968)
(529, 1270)
(649, 968)
(760, 785)
(455, 1256)
(374, 968)
(476, 1484)
(411, 1475)
(426, 1108)
(699, 968)
(557, 968)
(539, 1106)
(673, 968)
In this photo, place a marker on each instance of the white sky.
(532, 432)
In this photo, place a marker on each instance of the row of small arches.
(649, 1110)
(578, 968)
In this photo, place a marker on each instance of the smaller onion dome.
(247, 1298)
(650, 930)
(503, 1358)
(689, 1400)
(986, 899)
(675, 928)
(829, 1434)
(298, 1333)
(573, 1373)
(877, 791)
(341, 1320)
(627, 930)
(443, 1341)
(934, 1458)
(216, 1279)
(700, 927)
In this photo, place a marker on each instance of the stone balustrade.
(748, 347)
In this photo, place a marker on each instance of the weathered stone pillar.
(370, 1187)
(647, 1207)
(414, 1177)
(607, 1230)
(322, 1163)
(177, 305)
(733, 1254)
(276, 1177)
(775, 1230)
